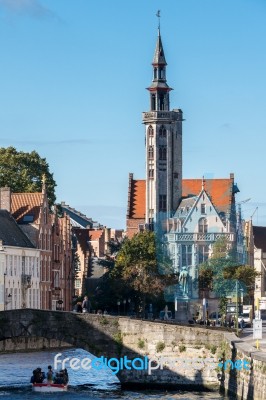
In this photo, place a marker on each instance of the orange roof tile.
(220, 191)
(95, 234)
(26, 204)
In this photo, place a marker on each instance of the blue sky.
(72, 87)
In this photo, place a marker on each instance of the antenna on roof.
(203, 183)
(256, 209)
(158, 15)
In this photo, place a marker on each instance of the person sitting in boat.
(59, 378)
(33, 378)
(38, 376)
(65, 376)
(50, 375)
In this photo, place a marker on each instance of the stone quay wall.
(248, 384)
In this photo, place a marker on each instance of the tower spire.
(158, 14)
(163, 144)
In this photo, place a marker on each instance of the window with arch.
(161, 102)
(162, 131)
(151, 153)
(153, 102)
(203, 225)
(162, 153)
(150, 131)
(151, 173)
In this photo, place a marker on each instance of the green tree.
(220, 272)
(144, 267)
(23, 172)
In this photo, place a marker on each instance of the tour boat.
(49, 387)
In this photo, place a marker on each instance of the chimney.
(5, 198)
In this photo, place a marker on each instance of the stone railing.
(198, 237)
(164, 115)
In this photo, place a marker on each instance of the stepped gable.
(25, 207)
(10, 232)
(137, 199)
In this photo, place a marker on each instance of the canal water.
(16, 370)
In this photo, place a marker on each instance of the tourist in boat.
(50, 375)
(64, 376)
(38, 376)
(59, 378)
(33, 378)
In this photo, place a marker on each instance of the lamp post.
(129, 300)
(124, 301)
(118, 307)
(237, 307)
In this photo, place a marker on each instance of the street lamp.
(124, 301)
(118, 307)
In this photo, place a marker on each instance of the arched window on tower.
(155, 73)
(151, 173)
(150, 131)
(161, 102)
(153, 102)
(151, 153)
(162, 131)
(203, 225)
(162, 152)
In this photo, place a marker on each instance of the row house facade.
(51, 234)
(90, 248)
(19, 267)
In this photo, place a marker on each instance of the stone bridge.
(190, 353)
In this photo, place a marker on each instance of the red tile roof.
(95, 234)
(220, 191)
(26, 204)
(84, 236)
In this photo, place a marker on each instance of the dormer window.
(28, 218)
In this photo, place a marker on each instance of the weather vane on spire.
(159, 16)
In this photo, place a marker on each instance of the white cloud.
(33, 8)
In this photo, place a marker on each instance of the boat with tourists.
(49, 382)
